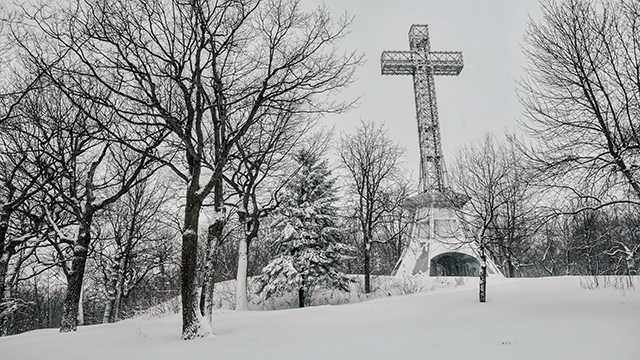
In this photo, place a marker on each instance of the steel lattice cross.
(423, 64)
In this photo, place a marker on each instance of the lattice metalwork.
(423, 64)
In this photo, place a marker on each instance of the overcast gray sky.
(482, 98)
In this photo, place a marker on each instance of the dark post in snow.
(483, 277)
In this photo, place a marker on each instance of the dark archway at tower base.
(454, 264)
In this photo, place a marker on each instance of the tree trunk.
(81, 307)
(114, 302)
(108, 310)
(483, 276)
(5, 252)
(119, 288)
(4, 317)
(301, 294)
(511, 268)
(214, 236)
(367, 266)
(214, 239)
(76, 275)
(241, 275)
(7, 321)
(107, 317)
(191, 325)
(4, 267)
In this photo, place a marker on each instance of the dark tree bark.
(215, 235)
(301, 294)
(190, 320)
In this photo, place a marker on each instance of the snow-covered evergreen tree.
(306, 235)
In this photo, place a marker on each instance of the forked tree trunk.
(76, 275)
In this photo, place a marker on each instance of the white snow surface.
(544, 318)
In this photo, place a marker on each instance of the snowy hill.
(548, 318)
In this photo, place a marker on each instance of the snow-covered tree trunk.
(241, 275)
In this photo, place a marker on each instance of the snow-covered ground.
(547, 318)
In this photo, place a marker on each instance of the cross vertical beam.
(423, 64)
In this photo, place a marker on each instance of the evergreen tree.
(306, 236)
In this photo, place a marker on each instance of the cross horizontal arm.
(406, 62)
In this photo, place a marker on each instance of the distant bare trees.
(373, 164)
(133, 245)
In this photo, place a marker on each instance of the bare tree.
(207, 72)
(582, 97)
(132, 240)
(498, 215)
(373, 163)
